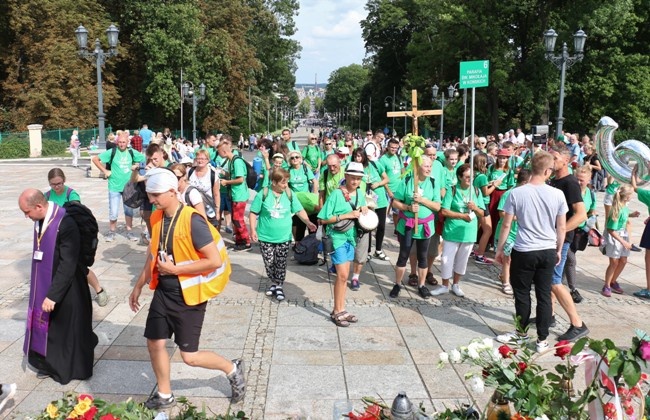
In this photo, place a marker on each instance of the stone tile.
(377, 357)
(384, 381)
(374, 316)
(442, 382)
(224, 336)
(286, 382)
(408, 317)
(11, 329)
(303, 316)
(306, 338)
(276, 409)
(444, 317)
(134, 353)
(307, 357)
(461, 335)
(362, 338)
(419, 338)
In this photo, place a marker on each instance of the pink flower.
(644, 350)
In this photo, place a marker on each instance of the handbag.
(580, 240)
(343, 225)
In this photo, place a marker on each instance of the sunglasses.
(328, 144)
(294, 157)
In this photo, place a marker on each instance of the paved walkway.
(299, 363)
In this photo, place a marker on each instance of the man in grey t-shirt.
(541, 215)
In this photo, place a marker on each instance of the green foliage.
(12, 148)
(190, 411)
(345, 85)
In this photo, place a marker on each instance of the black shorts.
(645, 239)
(168, 314)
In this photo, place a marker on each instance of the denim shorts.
(114, 202)
(558, 271)
(226, 202)
(343, 254)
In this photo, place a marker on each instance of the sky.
(330, 35)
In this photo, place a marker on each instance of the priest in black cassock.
(59, 340)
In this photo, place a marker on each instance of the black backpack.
(208, 203)
(88, 231)
(113, 151)
(134, 194)
(306, 251)
(251, 175)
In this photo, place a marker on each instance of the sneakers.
(7, 392)
(635, 248)
(455, 289)
(574, 333)
(440, 290)
(424, 292)
(132, 236)
(481, 259)
(110, 236)
(354, 285)
(616, 288)
(144, 238)
(379, 255)
(228, 230)
(576, 296)
(607, 292)
(533, 321)
(157, 403)
(237, 381)
(541, 346)
(102, 297)
(643, 294)
(395, 292)
(241, 247)
(512, 337)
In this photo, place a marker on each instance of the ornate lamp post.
(563, 62)
(100, 56)
(451, 95)
(369, 111)
(190, 96)
(392, 103)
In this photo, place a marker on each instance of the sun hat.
(343, 150)
(354, 168)
(278, 155)
(504, 152)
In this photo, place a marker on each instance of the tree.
(344, 86)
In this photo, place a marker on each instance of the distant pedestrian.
(146, 134)
(75, 148)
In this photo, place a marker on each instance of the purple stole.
(41, 280)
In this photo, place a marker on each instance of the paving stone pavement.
(299, 363)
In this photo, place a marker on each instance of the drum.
(369, 221)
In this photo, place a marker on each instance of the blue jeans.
(558, 271)
(114, 202)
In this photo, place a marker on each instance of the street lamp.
(451, 95)
(100, 57)
(563, 62)
(403, 106)
(190, 96)
(392, 101)
(369, 110)
(464, 108)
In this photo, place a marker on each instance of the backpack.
(595, 238)
(134, 194)
(251, 175)
(306, 251)
(208, 203)
(265, 193)
(88, 231)
(67, 195)
(113, 151)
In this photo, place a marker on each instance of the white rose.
(454, 356)
(476, 384)
(488, 343)
(444, 357)
(473, 349)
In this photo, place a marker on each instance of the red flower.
(485, 373)
(644, 350)
(108, 417)
(562, 349)
(518, 416)
(506, 351)
(90, 414)
(522, 367)
(82, 397)
(609, 410)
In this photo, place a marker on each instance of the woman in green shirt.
(342, 207)
(60, 194)
(311, 155)
(462, 206)
(270, 221)
(644, 197)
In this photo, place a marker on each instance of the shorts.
(168, 315)
(343, 254)
(645, 238)
(361, 249)
(114, 202)
(558, 270)
(608, 200)
(226, 202)
(614, 249)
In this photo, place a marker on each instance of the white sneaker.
(389, 220)
(7, 392)
(440, 290)
(541, 346)
(455, 289)
(512, 337)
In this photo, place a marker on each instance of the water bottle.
(402, 408)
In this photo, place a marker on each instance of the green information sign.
(474, 74)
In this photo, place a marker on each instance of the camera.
(540, 134)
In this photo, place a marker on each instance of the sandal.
(431, 280)
(339, 319)
(271, 290)
(507, 289)
(381, 256)
(413, 280)
(279, 293)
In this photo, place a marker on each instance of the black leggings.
(422, 247)
(381, 230)
(301, 227)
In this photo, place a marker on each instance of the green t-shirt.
(480, 181)
(513, 226)
(300, 179)
(612, 187)
(274, 216)
(61, 199)
(239, 193)
(211, 152)
(372, 175)
(589, 198)
(458, 230)
(450, 177)
(621, 222)
(323, 155)
(311, 154)
(335, 205)
(393, 168)
(120, 167)
(508, 178)
(404, 193)
(644, 197)
(438, 174)
(333, 181)
(222, 164)
(292, 145)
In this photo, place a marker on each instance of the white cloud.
(348, 27)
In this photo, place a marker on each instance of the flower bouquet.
(614, 389)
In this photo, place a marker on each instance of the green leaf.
(596, 346)
(631, 373)
(615, 367)
(579, 345)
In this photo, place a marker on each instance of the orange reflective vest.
(198, 287)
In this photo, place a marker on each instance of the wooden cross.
(414, 113)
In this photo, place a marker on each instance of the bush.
(12, 148)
